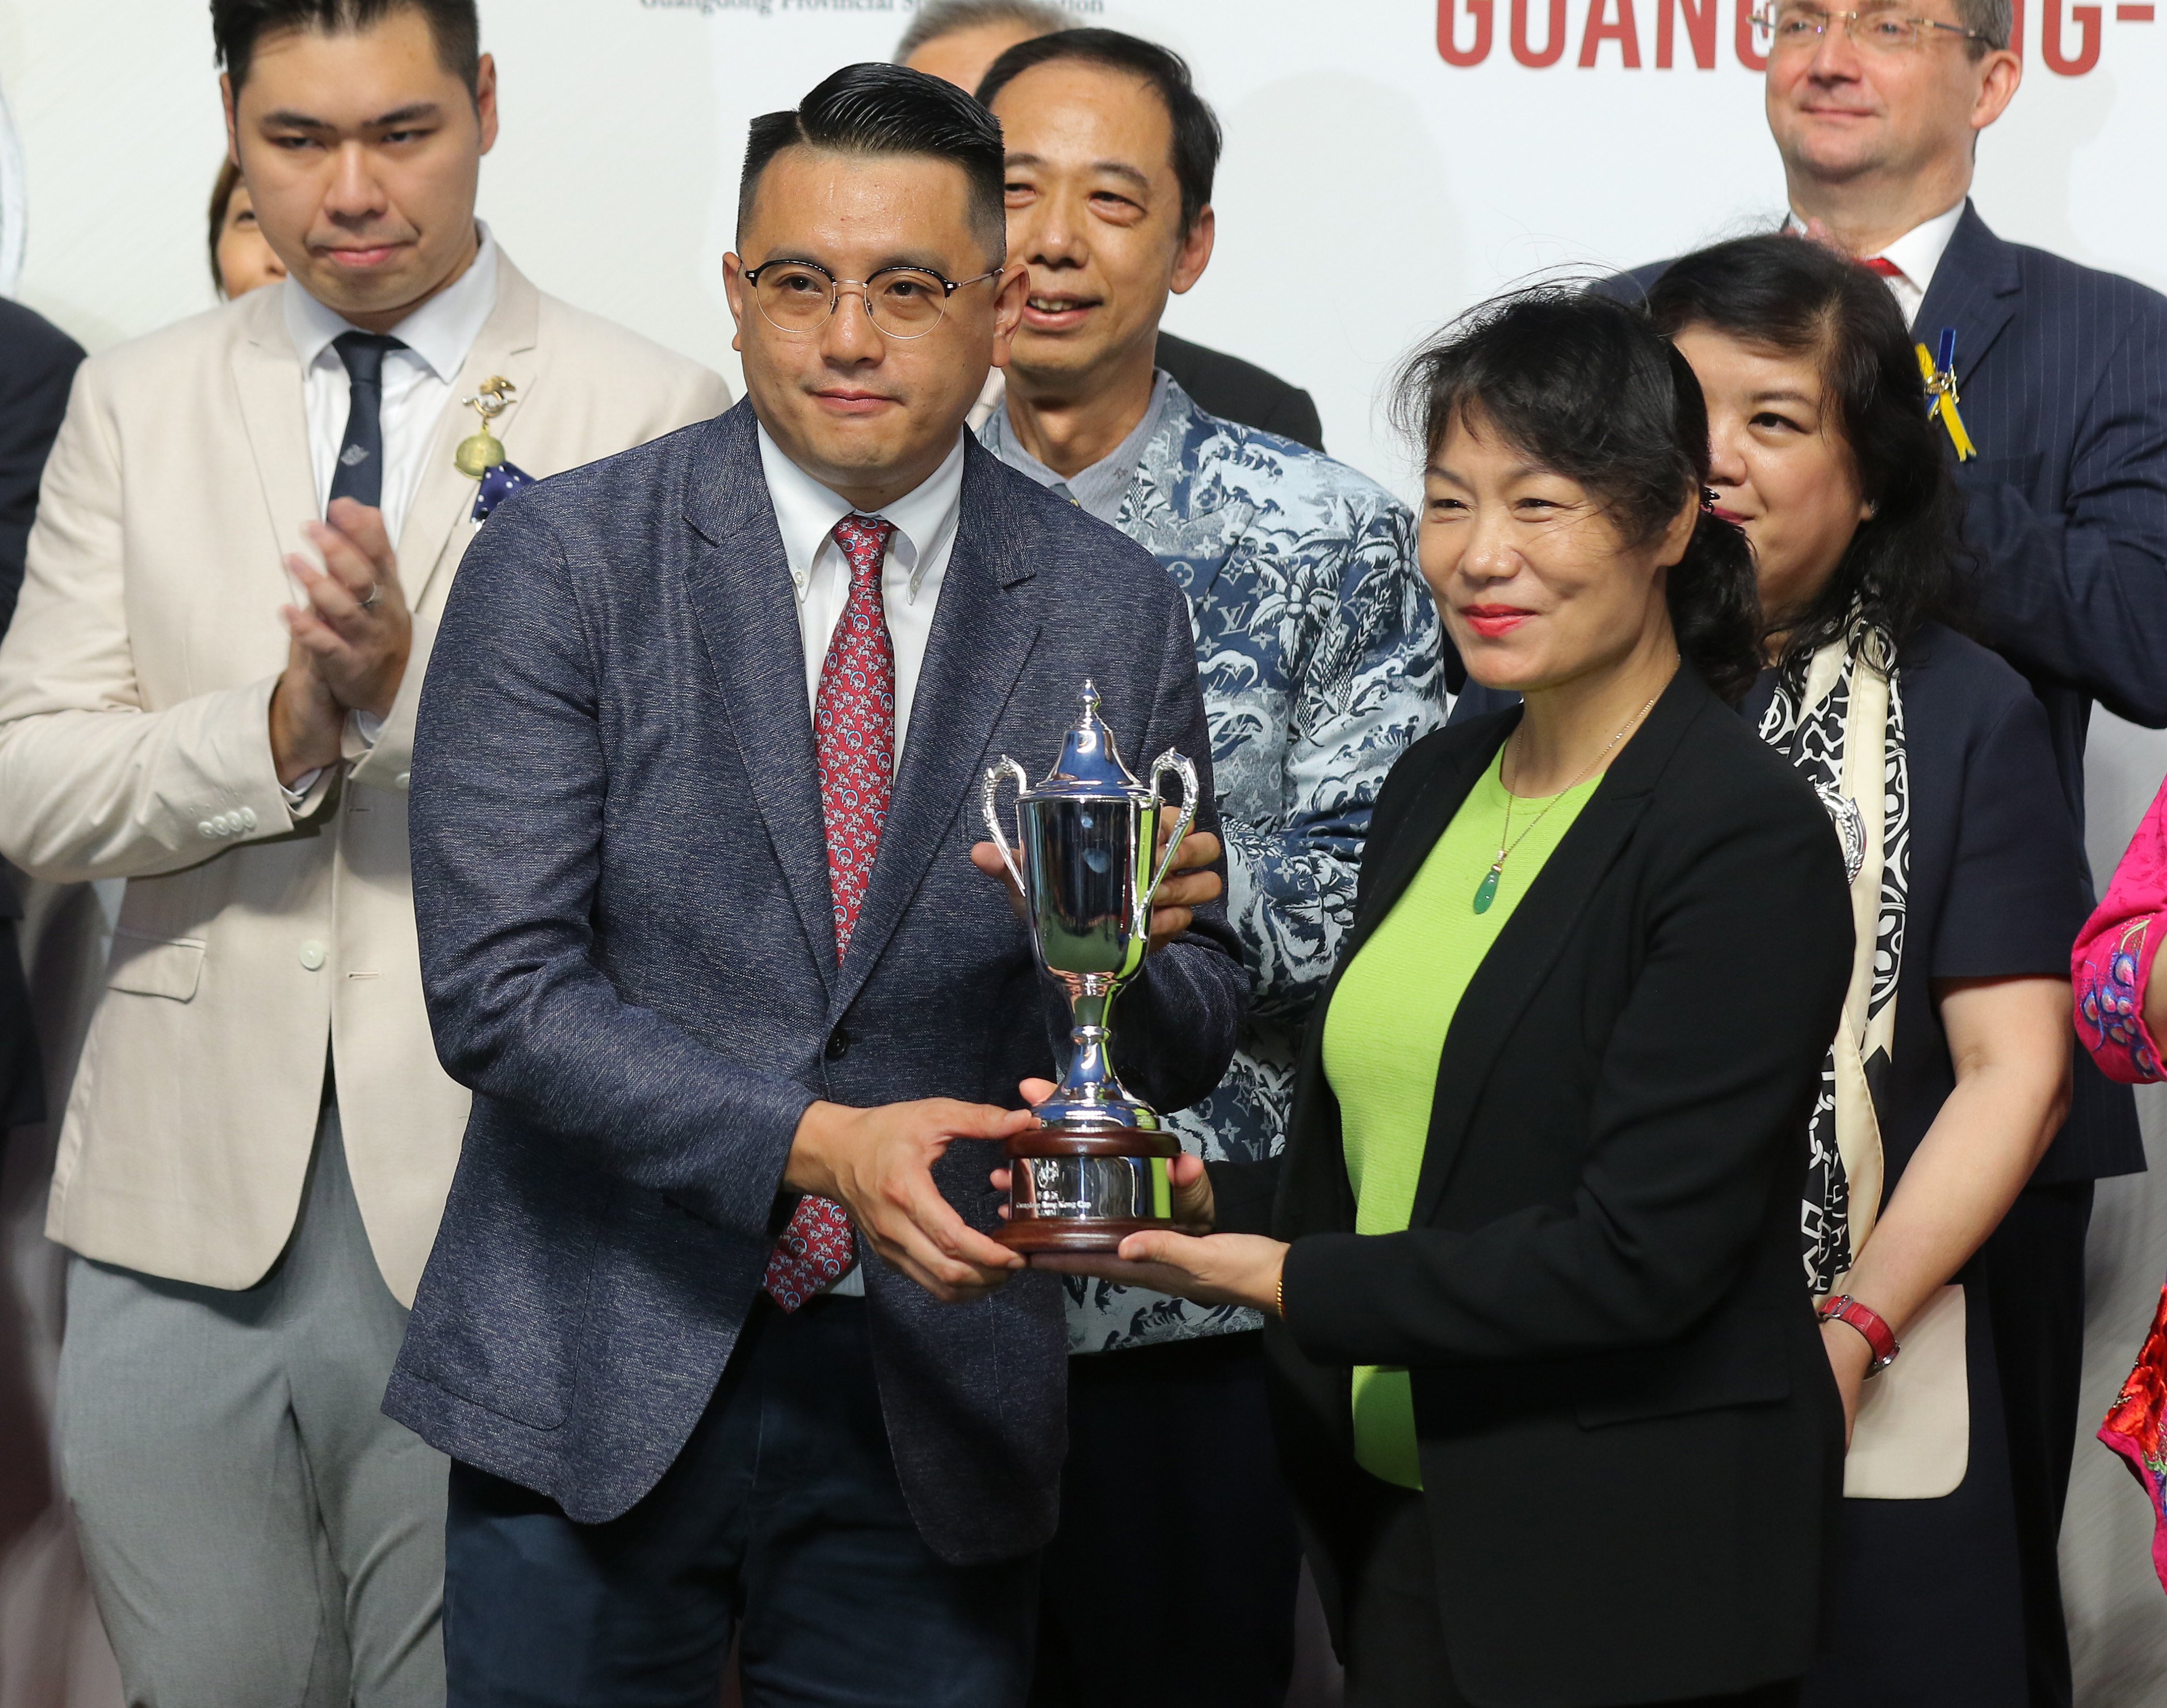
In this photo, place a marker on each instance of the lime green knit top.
(1386, 1031)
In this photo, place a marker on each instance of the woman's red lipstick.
(1493, 621)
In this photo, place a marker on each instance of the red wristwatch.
(1844, 1308)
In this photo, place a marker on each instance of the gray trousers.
(258, 1534)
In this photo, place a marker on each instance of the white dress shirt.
(417, 385)
(417, 380)
(806, 513)
(1915, 255)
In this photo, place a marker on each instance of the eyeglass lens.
(1884, 28)
(901, 302)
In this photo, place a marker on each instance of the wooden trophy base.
(1103, 1170)
(1053, 1233)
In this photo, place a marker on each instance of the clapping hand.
(350, 643)
(356, 626)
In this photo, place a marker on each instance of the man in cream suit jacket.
(259, 1140)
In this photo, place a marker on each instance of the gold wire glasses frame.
(1882, 30)
(903, 302)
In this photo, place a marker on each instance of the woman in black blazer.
(1548, 1390)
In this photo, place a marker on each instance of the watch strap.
(1869, 1322)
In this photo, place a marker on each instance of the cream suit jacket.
(135, 690)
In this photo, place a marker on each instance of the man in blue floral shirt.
(1173, 1577)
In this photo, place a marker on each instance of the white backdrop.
(1349, 137)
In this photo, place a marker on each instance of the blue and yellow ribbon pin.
(1941, 378)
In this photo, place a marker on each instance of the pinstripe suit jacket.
(2062, 371)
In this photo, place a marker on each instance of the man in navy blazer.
(714, 1331)
(2060, 373)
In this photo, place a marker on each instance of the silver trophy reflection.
(1094, 1169)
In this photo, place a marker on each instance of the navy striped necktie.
(359, 474)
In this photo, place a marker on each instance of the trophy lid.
(1090, 766)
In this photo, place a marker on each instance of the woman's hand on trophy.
(1218, 1269)
(1191, 884)
(877, 1163)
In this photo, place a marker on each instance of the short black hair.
(879, 108)
(1197, 139)
(237, 25)
(1906, 564)
(1586, 387)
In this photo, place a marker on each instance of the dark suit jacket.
(1631, 1445)
(37, 365)
(1226, 386)
(628, 950)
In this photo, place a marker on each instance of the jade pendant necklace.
(1487, 891)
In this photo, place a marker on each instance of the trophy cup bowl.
(1094, 1169)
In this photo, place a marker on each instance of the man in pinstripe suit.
(2061, 376)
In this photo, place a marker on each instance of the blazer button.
(312, 954)
(207, 829)
(248, 817)
(839, 1044)
(404, 779)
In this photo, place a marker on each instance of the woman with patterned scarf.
(1949, 1076)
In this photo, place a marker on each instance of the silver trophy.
(1094, 1169)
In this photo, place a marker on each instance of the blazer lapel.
(1975, 289)
(1317, 1158)
(739, 581)
(1385, 880)
(266, 378)
(1540, 927)
(443, 500)
(981, 635)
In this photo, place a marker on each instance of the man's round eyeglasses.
(1799, 28)
(903, 302)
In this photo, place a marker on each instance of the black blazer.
(37, 366)
(1631, 1444)
(1228, 387)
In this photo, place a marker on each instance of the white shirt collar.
(440, 332)
(806, 512)
(1918, 252)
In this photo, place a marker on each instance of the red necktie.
(1886, 267)
(854, 736)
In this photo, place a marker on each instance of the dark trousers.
(1173, 1577)
(780, 1522)
(2034, 1263)
(1394, 1641)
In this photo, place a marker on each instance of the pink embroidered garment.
(2111, 968)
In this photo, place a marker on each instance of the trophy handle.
(1172, 761)
(988, 805)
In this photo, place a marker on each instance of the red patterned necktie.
(854, 735)
(1886, 267)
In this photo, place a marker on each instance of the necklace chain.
(1486, 892)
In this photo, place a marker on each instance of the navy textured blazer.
(627, 946)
